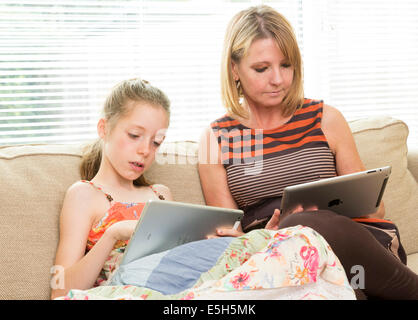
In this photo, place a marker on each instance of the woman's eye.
(260, 70)
(286, 65)
(157, 144)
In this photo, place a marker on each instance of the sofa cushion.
(34, 181)
(176, 167)
(382, 141)
(413, 162)
(413, 262)
(36, 177)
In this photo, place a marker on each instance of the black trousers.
(385, 276)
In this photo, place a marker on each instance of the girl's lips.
(137, 166)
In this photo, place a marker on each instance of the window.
(363, 58)
(59, 59)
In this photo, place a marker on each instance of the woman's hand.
(122, 230)
(273, 223)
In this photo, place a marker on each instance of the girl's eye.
(286, 65)
(260, 70)
(157, 144)
(133, 136)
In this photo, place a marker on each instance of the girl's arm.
(342, 144)
(81, 270)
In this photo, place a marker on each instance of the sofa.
(34, 179)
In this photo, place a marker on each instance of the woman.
(272, 137)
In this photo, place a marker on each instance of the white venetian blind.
(365, 57)
(59, 59)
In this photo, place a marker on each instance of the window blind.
(59, 59)
(365, 57)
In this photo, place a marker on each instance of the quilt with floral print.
(290, 263)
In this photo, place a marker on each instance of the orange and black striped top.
(261, 163)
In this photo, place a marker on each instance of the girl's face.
(265, 74)
(130, 146)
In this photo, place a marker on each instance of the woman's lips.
(275, 93)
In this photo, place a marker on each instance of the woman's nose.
(276, 76)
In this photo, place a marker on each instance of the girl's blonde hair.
(255, 23)
(116, 106)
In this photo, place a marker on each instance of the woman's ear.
(234, 70)
(101, 128)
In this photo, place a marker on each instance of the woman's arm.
(342, 144)
(213, 178)
(212, 173)
(81, 270)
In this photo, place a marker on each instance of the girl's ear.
(101, 128)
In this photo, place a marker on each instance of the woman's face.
(265, 74)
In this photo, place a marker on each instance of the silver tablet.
(352, 195)
(165, 224)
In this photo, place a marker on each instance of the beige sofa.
(34, 179)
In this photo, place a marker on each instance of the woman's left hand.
(273, 223)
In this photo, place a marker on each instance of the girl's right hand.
(122, 230)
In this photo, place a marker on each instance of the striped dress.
(261, 163)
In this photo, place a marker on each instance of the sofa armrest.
(413, 162)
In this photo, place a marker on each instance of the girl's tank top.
(118, 211)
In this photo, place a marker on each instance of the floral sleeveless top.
(118, 211)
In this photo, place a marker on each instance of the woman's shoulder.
(332, 116)
(226, 121)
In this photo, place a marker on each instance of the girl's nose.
(144, 147)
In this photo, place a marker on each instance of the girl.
(100, 212)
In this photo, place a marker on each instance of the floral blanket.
(290, 263)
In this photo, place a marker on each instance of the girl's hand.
(228, 232)
(122, 230)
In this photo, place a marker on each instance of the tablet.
(352, 195)
(165, 224)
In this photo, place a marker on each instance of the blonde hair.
(255, 23)
(115, 107)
